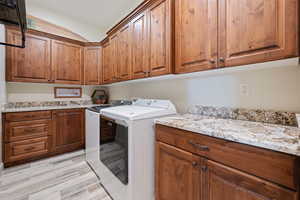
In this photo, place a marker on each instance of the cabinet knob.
(212, 61)
(222, 59)
(195, 164)
(204, 168)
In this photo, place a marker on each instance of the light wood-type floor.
(66, 177)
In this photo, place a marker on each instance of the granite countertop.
(279, 138)
(50, 105)
(38, 108)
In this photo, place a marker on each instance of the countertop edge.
(270, 147)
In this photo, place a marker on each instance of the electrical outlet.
(244, 90)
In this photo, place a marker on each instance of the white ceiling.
(100, 13)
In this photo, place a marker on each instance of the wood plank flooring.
(66, 177)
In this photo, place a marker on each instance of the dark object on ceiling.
(13, 12)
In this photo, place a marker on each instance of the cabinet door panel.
(31, 64)
(124, 48)
(160, 38)
(195, 35)
(140, 55)
(106, 63)
(176, 177)
(254, 31)
(67, 62)
(92, 65)
(114, 57)
(68, 129)
(229, 184)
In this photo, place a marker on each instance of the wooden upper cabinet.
(92, 66)
(177, 174)
(125, 53)
(140, 53)
(253, 31)
(229, 184)
(114, 57)
(106, 63)
(160, 37)
(196, 35)
(31, 64)
(67, 62)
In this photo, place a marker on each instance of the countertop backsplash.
(254, 115)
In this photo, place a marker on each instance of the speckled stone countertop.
(279, 138)
(37, 106)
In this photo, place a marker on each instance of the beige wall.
(87, 31)
(273, 85)
(2, 84)
(20, 92)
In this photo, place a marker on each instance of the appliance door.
(114, 147)
(92, 144)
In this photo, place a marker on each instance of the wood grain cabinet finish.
(224, 33)
(160, 37)
(124, 53)
(92, 65)
(115, 57)
(226, 170)
(177, 174)
(67, 62)
(30, 136)
(68, 128)
(26, 149)
(140, 53)
(196, 36)
(31, 64)
(253, 31)
(106, 63)
(225, 183)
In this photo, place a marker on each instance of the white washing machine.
(125, 162)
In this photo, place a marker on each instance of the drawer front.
(276, 167)
(27, 116)
(27, 149)
(17, 131)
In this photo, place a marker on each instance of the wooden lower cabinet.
(225, 183)
(177, 170)
(29, 136)
(68, 128)
(187, 175)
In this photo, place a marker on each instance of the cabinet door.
(177, 174)
(67, 62)
(124, 48)
(31, 64)
(114, 57)
(140, 55)
(106, 63)
(92, 66)
(196, 27)
(225, 183)
(253, 31)
(68, 129)
(160, 37)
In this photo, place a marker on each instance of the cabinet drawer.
(16, 151)
(274, 166)
(27, 116)
(16, 131)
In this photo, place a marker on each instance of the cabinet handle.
(29, 149)
(195, 164)
(222, 59)
(199, 146)
(204, 168)
(212, 61)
